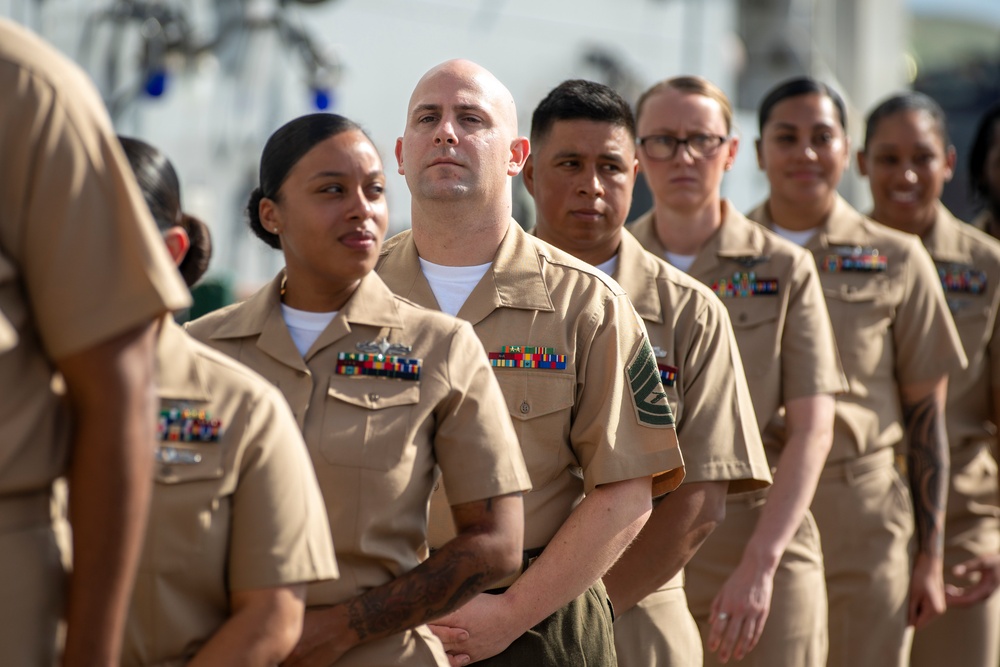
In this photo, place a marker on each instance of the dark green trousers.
(578, 635)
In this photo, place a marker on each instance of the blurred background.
(207, 81)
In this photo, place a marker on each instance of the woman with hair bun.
(897, 345)
(908, 158)
(237, 526)
(386, 394)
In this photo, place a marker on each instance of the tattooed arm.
(486, 549)
(927, 464)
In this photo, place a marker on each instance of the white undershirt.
(609, 267)
(798, 238)
(304, 326)
(682, 262)
(452, 285)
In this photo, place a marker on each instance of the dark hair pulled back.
(803, 85)
(282, 151)
(162, 191)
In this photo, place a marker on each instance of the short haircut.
(908, 101)
(693, 85)
(803, 85)
(577, 99)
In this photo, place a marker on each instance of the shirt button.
(743, 317)
(373, 397)
(525, 408)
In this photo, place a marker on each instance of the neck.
(593, 255)
(450, 234)
(302, 292)
(920, 224)
(685, 232)
(799, 217)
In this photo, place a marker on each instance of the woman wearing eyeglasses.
(763, 563)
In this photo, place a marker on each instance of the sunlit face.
(331, 212)
(581, 175)
(907, 164)
(803, 150)
(460, 135)
(684, 183)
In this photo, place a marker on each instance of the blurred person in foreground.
(577, 372)
(391, 399)
(897, 344)
(84, 278)
(581, 173)
(908, 157)
(237, 525)
(756, 585)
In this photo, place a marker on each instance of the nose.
(445, 134)
(360, 206)
(910, 176)
(591, 184)
(810, 153)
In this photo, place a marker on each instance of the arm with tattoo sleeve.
(928, 471)
(487, 548)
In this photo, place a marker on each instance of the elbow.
(714, 509)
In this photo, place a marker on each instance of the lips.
(587, 214)
(360, 239)
(904, 196)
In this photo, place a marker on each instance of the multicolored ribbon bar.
(668, 375)
(744, 284)
(962, 279)
(184, 425)
(378, 365)
(527, 356)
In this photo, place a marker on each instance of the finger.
(746, 636)
(451, 638)
(730, 638)
(458, 659)
(718, 625)
(963, 597)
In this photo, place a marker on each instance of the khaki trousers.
(865, 517)
(795, 631)
(966, 636)
(659, 631)
(418, 647)
(32, 582)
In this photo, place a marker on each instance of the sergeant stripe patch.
(527, 356)
(650, 400)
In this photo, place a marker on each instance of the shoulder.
(983, 247)
(558, 266)
(393, 242)
(206, 325)
(889, 239)
(222, 371)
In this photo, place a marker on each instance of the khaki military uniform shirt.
(890, 319)
(700, 367)
(80, 258)
(987, 223)
(235, 507)
(775, 301)
(375, 439)
(576, 369)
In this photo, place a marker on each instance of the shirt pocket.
(189, 515)
(755, 324)
(368, 423)
(974, 323)
(862, 314)
(541, 406)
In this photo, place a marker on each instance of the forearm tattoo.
(927, 468)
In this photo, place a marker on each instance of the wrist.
(762, 558)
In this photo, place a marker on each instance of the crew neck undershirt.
(452, 285)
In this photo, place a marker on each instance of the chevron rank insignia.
(527, 356)
(961, 279)
(648, 397)
(743, 284)
(854, 258)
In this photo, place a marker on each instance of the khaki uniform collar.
(633, 271)
(177, 374)
(842, 226)
(944, 242)
(371, 304)
(515, 279)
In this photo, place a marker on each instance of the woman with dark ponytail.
(386, 394)
(236, 527)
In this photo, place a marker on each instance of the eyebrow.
(375, 173)
(782, 125)
(437, 107)
(562, 155)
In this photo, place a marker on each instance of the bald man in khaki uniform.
(576, 369)
(581, 173)
(375, 440)
(236, 510)
(895, 339)
(786, 343)
(968, 264)
(83, 276)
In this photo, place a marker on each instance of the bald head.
(466, 78)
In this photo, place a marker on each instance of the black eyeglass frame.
(693, 151)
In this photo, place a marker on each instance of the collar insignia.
(383, 347)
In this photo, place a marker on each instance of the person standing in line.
(908, 157)
(758, 579)
(581, 173)
(577, 371)
(84, 279)
(385, 393)
(237, 525)
(897, 344)
(984, 171)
